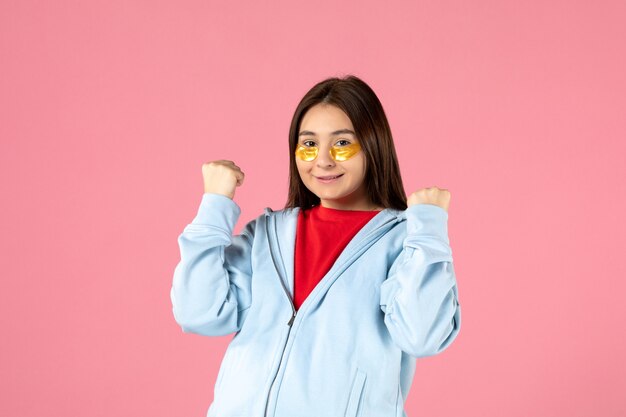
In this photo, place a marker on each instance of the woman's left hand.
(431, 195)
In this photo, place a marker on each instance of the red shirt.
(321, 235)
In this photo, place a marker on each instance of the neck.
(357, 207)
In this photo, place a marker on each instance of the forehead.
(325, 120)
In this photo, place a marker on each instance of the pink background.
(108, 110)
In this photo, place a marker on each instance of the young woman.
(333, 297)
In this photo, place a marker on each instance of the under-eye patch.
(338, 153)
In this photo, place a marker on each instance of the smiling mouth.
(329, 177)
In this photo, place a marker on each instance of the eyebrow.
(336, 132)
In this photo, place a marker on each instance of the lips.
(328, 177)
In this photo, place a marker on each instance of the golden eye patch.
(338, 153)
(341, 153)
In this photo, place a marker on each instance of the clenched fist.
(222, 177)
(431, 195)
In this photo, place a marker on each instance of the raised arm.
(419, 296)
(211, 289)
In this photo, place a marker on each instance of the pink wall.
(108, 109)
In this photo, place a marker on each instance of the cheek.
(358, 164)
(301, 167)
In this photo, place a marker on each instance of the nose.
(324, 159)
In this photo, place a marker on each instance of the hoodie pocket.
(355, 394)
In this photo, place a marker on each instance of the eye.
(306, 141)
(343, 140)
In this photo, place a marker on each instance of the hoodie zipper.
(293, 309)
(282, 279)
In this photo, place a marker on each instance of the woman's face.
(324, 126)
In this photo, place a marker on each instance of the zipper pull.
(293, 317)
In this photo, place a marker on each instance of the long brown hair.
(356, 99)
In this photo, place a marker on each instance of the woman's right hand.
(222, 177)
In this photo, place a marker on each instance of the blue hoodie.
(389, 298)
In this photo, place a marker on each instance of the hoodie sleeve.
(211, 289)
(419, 296)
